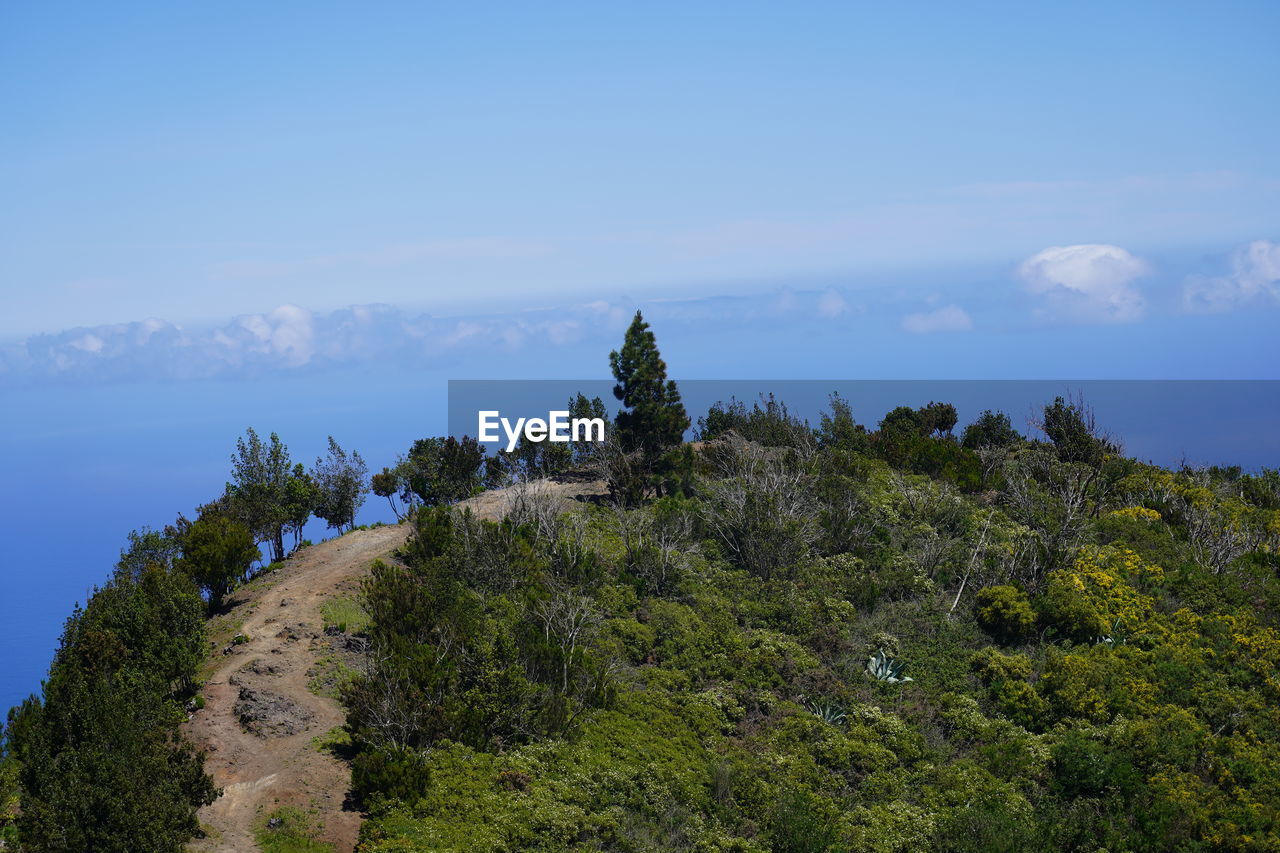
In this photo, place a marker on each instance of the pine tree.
(650, 423)
(652, 419)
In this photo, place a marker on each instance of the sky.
(194, 163)
(308, 217)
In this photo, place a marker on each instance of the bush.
(1005, 613)
(392, 773)
(992, 665)
(1065, 609)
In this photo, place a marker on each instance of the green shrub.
(389, 773)
(1005, 613)
(992, 665)
(1069, 613)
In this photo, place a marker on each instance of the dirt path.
(267, 679)
(260, 772)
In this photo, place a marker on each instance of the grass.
(292, 833)
(336, 742)
(328, 677)
(346, 613)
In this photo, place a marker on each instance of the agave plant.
(826, 710)
(1115, 638)
(881, 667)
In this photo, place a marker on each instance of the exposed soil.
(268, 696)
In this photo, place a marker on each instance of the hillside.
(780, 638)
(838, 640)
(275, 678)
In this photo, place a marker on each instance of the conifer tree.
(652, 418)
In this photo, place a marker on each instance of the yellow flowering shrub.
(1138, 512)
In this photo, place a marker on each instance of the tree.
(460, 461)
(148, 548)
(439, 470)
(103, 765)
(938, 417)
(1071, 426)
(652, 419)
(340, 484)
(581, 407)
(991, 429)
(839, 430)
(216, 552)
(259, 493)
(302, 495)
(387, 485)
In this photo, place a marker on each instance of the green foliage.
(802, 823)
(839, 431)
(991, 429)
(752, 633)
(259, 495)
(102, 765)
(767, 423)
(439, 471)
(1068, 613)
(1069, 424)
(920, 440)
(8, 794)
(217, 551)
(389, 773)
(1139, 700)
(720, 669)
(340, 486)
(1005, 613)
(652, 419)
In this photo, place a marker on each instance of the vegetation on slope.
(794, 639)
(834, 639)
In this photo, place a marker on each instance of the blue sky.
(198, 162)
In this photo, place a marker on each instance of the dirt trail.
(267, 679)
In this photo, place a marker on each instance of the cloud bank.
(291, 337)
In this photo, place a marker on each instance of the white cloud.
(1254, 277)
(831, 304)
(1088, 283)
(293, 334)
(949, 318)
(88, 343)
